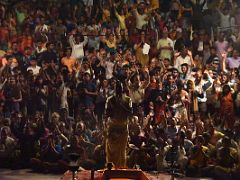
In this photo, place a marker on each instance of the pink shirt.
(233, 63)
(221, 47)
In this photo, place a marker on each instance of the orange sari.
(227, 110)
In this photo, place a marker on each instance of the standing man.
(184, 57)
(165, 46)
(118, 110)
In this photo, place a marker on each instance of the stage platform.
(120, 174)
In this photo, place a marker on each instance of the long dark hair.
(226, 90)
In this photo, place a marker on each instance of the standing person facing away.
(118, 109)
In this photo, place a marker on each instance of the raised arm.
(128, 79)
(224, 62)
(85, 41)
(71, 40)
(175, 63)
(103, 35)
(191, 58)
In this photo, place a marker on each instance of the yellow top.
(200, 158)
(112, 44)
(154, 4)
(121, 20)
(216, 136)
(106, 15)
(69, 62)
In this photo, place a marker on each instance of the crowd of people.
(178, 61)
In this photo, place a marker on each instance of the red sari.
(227, 110)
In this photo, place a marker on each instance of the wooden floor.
(25, 174)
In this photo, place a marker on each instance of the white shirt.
(165, 53)
(42, 28)
(88, 2)
(200, 90)
(140, 20)
(137, 96)
(180, 60)
(77, 49)
(35, 69)
(225, 20)
(109, 69)
(187, 77)
(40, 50)
(64, 95)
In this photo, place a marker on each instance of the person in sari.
(140, 56)
(193, 105)
(118, 109)
(158, 98)
(227, 107)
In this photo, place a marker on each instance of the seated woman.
(7, 148)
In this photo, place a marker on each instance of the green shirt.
(20, 17)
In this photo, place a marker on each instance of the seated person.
(49, 156)
(75, 147)
(7, 147)
(99, 156)
(49, 152)
(136, 156)
(176, 154)
(227, 156)
(198, 157)
(225, 162)
(186, 143)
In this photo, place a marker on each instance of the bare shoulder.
(185, 92)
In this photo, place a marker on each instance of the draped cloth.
(118, 111)
(116, 143)
(227, 110)
(194, 101)
(142, 58)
